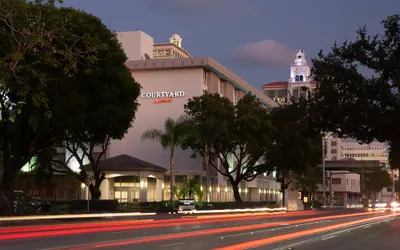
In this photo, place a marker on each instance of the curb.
(49, 219)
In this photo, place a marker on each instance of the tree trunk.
(171, 172)
(236, 193)
(283, 188)
(95, 189)
(207, 163)
(6, 200)
(95, 192)
(7, 191)
(283, 197)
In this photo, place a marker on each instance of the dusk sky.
(256, 39)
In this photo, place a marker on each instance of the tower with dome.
(283, 91)
(173, 49)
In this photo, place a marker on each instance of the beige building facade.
(167, 84)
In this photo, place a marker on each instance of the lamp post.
(86, 187)
(323, 173)
(393, 186)
(87, 197)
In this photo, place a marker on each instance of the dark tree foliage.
(375, 181)
(358, 92)
(233, 137)
(107, 96)
(296, 148)
(60, 69)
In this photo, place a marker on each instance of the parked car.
(24, 204)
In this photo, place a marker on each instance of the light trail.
(209, 232)
(290, 236)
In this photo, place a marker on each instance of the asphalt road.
(378, 236)
(223, 233)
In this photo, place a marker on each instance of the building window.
(222, 87)
(205, 74)
(334, 151)
(296, 93)
(270, 93)
(237, 95)
(180, 178)
(333, 143)
(281, 93)
(336, 181)
(389, 189)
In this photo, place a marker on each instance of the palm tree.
(175, 132)
(203, 133)
(189, 189)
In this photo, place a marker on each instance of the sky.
(256, 39)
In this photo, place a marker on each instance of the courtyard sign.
(162, 97)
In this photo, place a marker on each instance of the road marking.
(334, 234)
(329, 237)
(173, 244)
(268, 230)
(325, 236)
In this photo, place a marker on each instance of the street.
(342, 229)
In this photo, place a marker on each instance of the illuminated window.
(29, 166)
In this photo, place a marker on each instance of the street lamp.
(323, 172)
(83, 185)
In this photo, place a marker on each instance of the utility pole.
(394, 186)
(330, 189)
(323, 173)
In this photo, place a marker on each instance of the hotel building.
(138, 170)
(169, 76)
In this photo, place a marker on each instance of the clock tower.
(299, 75)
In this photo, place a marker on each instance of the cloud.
(180, 8)
(264, 53)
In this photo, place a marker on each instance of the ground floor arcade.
(131, 180)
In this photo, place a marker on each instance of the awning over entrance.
(126, 163)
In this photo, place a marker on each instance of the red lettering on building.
(163, 100)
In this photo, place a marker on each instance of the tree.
(206, 125)
(112, 96)
(296, 148)
(233, 137)
(308, 182)
(189, 189)
(175, 132)
(375, 181)
(352, 103)
(83, 152)
(54, 64)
